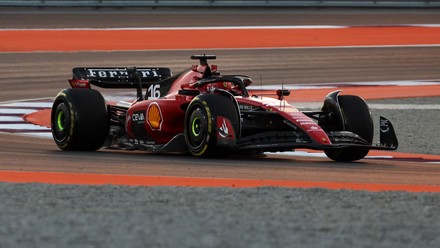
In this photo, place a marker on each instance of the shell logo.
(154, 116)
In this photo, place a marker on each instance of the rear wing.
(106, 77)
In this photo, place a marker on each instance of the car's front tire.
(356, 118)
(200, 123)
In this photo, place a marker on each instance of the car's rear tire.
(356, 117)
(79, 120)
(200, 123)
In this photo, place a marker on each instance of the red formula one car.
(202, 112)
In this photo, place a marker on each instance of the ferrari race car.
(201, 112)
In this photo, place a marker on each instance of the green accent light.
(60, 121)
(195, 125)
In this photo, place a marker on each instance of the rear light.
(78, 83)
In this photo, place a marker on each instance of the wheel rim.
(61, 121)
(197, 128)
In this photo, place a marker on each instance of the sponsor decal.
(140, 142)
(209, 80)
(223, 130)
(290, 124)
(122, 72)
(314, 128)
(384, 126)
(138, 117)
(155, 118)
(80, 84)
(306, 123)
(245, 107)
(301, 119)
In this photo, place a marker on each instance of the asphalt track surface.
(412, 221)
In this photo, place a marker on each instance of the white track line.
(233, 49)
(28, 104)
(10, 118)
(24, 126)
(16, 111)
(46, 135)
(181, 28)
(383, 106)
(434, 25)
(404, 106)
(255, 86)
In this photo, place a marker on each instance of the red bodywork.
(163, 118)
(201, 112)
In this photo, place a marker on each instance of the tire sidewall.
(208, 138)
(357, 120)
(67, 140)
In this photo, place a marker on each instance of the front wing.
(288, 140)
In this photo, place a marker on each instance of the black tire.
(79, 120)
(357, 119)
(200, 123)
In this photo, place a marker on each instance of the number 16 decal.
(154, 91)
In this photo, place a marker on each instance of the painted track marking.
(16, 40)
(12, 117)
(389, 106)
(130, 180)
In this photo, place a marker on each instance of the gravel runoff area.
(40, 215)
(416, 130)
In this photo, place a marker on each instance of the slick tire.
(357, 119)
(79, 120)
(200, 124)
